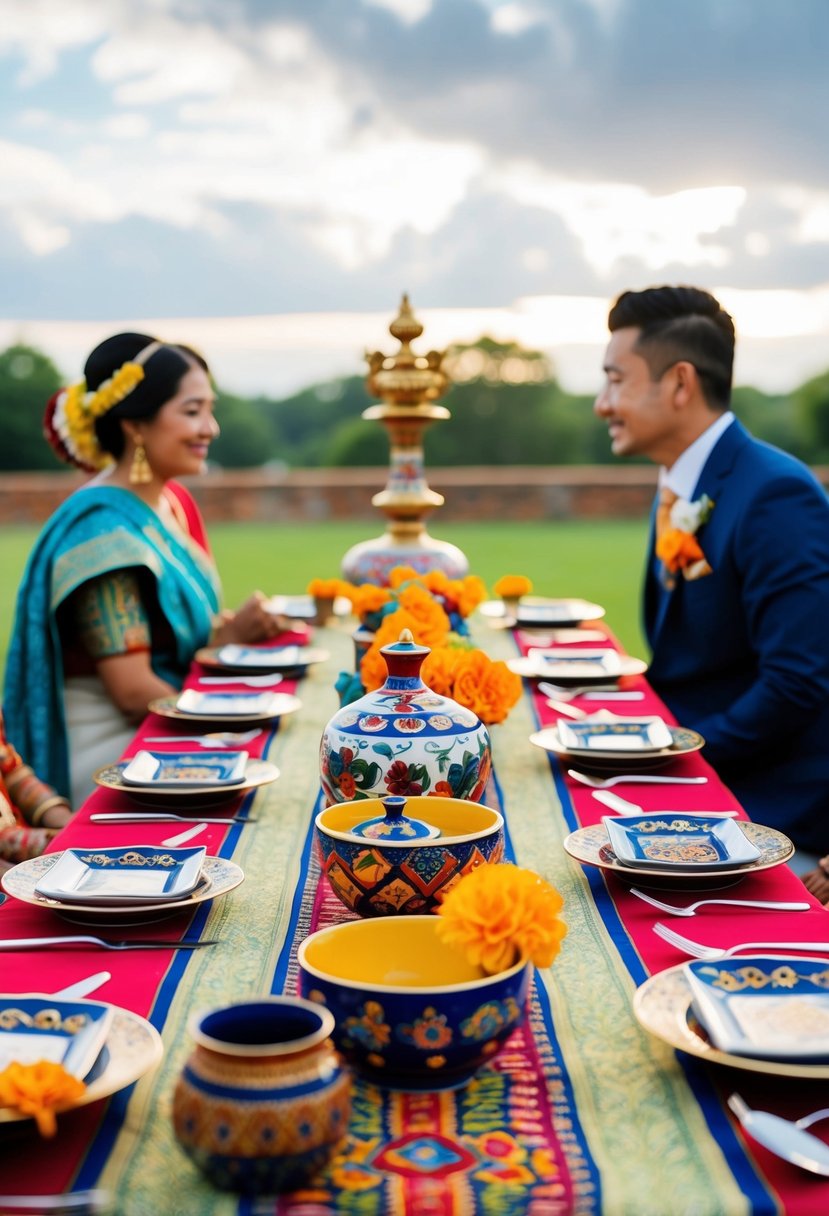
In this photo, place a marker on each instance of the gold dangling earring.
(140, 471)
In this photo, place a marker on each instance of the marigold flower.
(488, 688)
(373, 669)
(398, 575)
(469, 593)
(499, 914)
(439, 669)
(432, 625)
(678, 549)
(367, 598)
(513, 586)
(438, 583)
(36, 1089)
(328, 588)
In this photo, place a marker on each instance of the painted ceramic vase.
(264, 1099)
(404, 739)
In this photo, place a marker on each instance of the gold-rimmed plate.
(663, 1006)
(131, 1049)
(281, 703)
(260, 660)
(591, 846)
(537, 669)
(685, 743)
(220, 875)
(257, 773)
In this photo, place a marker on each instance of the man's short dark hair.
(681, 323)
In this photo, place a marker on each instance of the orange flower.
(36, 1089)
(367, 598)
(678, 549)
(488, 688)
(499, 914)
(469, 593)
(513, 586)
(328, 588)
(439, 669)
(438, 583)
(402, 574)
(432, 625)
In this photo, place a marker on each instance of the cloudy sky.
(265, 177)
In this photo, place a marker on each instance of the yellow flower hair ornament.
(500, 914)
(69, 424)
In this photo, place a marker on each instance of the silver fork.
(34, 943)
(690, 909)
(605, 783)
(697, 950)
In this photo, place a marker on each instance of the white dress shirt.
(685, 472)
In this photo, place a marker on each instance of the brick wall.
(515, 493)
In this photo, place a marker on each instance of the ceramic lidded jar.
(404, 739)
(264, 1098)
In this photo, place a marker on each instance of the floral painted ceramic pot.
(411, 1011)
(404, 739)
(264, 1099)
(391, 877)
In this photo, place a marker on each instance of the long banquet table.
(582, 1112)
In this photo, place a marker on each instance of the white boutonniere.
(689, 516)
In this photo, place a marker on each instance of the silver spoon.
(604, 783)
(270, 680)
(83, 987)
(161, 817)
(786, 1138)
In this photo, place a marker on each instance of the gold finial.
(406, 379)
(406, 637)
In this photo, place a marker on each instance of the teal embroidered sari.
(96, 530)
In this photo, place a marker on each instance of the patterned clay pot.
(404, 739)
(264, 1099)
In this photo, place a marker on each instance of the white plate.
(538, 610)
(225, 704)
(253, 656)
(603, 732)
(129, 874)
(575, 672)
(186, 769)
(764, 1006)
(683, 842)
(35, 1027)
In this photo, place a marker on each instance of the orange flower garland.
(500, 914)
(37, 1089)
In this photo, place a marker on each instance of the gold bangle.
(39, 812)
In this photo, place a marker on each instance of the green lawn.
(600, 561)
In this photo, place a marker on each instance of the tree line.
(507, 407)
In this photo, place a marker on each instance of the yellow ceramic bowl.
(384, 878)
(409, 1010)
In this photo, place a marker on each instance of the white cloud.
(408, 11)
(40, 30)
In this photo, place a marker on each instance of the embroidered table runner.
(582, 1112)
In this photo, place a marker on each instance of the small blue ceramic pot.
(263, 1100)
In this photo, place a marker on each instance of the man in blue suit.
(736, 603)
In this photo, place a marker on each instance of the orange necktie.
(667, 498)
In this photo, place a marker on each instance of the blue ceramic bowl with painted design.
(410, 1011)
(376, 877)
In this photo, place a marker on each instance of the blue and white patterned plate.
(607, 732)
(129, 874)
(188, 769)
(671, 840)
(766, 1006)
(70, 1033)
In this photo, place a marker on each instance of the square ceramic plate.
(185, 769)
(126, 875)
(258, 656)
(604, 734)
(572, 664)
(70, 1033)
(669, 840)
(759, 1005)
(225, 704)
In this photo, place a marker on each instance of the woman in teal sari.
(120, 590)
